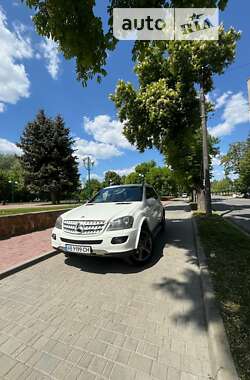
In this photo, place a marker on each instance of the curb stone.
(222, 364)
(27, 264)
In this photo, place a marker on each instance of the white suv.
(119, 220)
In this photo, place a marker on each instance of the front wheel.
(145, 248)
(163, 221)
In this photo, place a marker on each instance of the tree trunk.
(201, 200)
(193, 196)
(53, 197)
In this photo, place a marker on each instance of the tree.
(244, 179)
(79, 33)
(48, 157)
(12, 179)
(111, 178)
(223, 185)
(162, 179)
(164, 112)
(145, 167)
(7, 161)
(90, 189)
(231, 161)
(237, 162)
(4, 186)
(133, 178)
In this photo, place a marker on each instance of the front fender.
(144, 219)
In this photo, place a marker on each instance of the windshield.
(119, 194)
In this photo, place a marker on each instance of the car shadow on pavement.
(180, 207)
(105, 265)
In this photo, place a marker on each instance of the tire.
(145, 248)
(68, 254)
(163, 221)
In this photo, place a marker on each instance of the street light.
(142, 178)
(13, 183)
(88, 164)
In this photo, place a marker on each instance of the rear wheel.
(145, 248)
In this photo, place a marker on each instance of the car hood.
(102, 211)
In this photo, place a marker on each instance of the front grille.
(83, 227)
(84, 242)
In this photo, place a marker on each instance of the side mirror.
(150, 201)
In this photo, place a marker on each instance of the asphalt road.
(92, 318)
(236, 209)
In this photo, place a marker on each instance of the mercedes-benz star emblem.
(80, 227)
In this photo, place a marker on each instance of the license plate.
(80, 249)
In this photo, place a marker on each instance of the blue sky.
(33, 76)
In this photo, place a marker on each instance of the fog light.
(54, 236)
(119, 240)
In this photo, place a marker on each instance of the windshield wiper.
(123, 203)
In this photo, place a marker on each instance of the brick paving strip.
(91, 318)
(20, 249)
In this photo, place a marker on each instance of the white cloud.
(216, 161)
(49, 51)
(95, 150)
(218, 174)
(236, 111)
(217, 168)
(106, 130)
(14, 81)
(2, 107)
(8, 147)
(97, 176)
(124, 171)
(221, 100)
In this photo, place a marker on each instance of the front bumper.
(100, 243)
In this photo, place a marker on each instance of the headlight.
(59, 223)
(121, 223)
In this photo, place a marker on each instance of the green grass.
(15, 211)
(228, 253)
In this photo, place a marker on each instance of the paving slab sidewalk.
(94, 318)
(18, 249)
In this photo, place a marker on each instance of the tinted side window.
(150, 193)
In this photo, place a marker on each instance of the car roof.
(130, 185)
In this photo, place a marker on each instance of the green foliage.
(12, 186)
(237, 161)
(111, 178)
(161, 178)
(234, 156)
(48, 157)
(4, 186)
(80, 33)
(90, 189)
(244, 178)
(223, 185)
(145, 167)
(7, 161)
(164, 112)
(133, 178)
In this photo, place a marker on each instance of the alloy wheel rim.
(144, 249)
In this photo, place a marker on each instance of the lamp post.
(142, 178)
(12, 183)
(88, 164)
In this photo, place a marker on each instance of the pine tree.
(48, 157)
